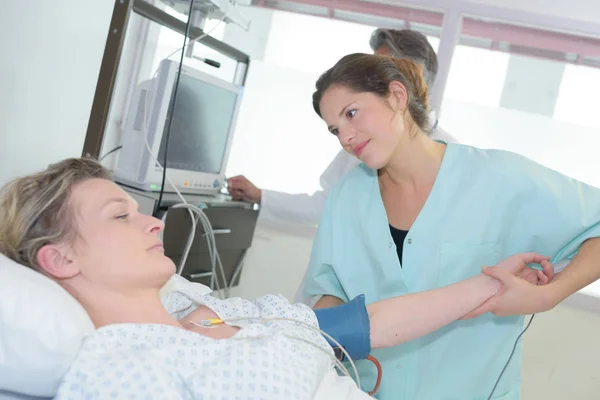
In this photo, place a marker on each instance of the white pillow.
(42, 327)
(41, 330)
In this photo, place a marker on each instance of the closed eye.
(124, 216)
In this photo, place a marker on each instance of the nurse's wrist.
(553, 293)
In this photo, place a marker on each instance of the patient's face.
(117, 247)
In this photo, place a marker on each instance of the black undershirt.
(398, 235)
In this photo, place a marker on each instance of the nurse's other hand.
(240, 188)
(517, 265)
(538, 277)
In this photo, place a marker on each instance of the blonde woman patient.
(72, 224)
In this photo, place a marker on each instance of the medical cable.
(191, 209)
(302, 323)
(212, 247)
(510, 357)
(379, 374)
(305, 325)
(238, 270)
(168, 134)
(207, 227)
(110, 152)
(336, 362)
(188, 24)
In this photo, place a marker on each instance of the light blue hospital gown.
(484, 206)
(264, 360)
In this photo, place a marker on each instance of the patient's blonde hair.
(35, 210)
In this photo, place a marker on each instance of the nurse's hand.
(522, 290)
(517, 265)
(240, 188)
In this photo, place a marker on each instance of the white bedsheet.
(262, 361)
(336, 387)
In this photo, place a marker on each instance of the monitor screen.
(202, 118)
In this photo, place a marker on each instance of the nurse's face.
(368, 126)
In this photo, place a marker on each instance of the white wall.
(280, 143)
(51, 55)
(275, 264)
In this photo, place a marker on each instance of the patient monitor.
(204, 116)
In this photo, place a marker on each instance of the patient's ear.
(56, 262)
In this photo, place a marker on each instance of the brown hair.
(374, 73)
(35, 210)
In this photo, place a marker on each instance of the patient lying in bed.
(74, 225)
(263, 360)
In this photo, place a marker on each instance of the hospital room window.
(477, 76)
(531, 101)
(289, 134)
(578, 96)
(321, 46)
(317, 48)
(277, 125)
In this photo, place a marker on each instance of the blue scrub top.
(485, 205)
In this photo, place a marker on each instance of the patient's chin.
(157, 270)
(168, 266)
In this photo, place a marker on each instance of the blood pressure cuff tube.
(348, 324)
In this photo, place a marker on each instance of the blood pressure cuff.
(349, 325)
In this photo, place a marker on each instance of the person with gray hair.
(306, 209)
(407, 44)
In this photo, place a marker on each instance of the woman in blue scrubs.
(419, 214)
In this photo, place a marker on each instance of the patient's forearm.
(403, 318)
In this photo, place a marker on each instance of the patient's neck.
(113, 307)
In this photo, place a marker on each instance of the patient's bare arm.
(400, 319)
(404, 318)
(328, 301)
(393, 321)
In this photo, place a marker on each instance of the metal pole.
(157, 15)
(106, 78)
(198, 21)
(451, 29)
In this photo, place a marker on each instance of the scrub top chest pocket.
(459, 261)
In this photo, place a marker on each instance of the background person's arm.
(301, 208)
